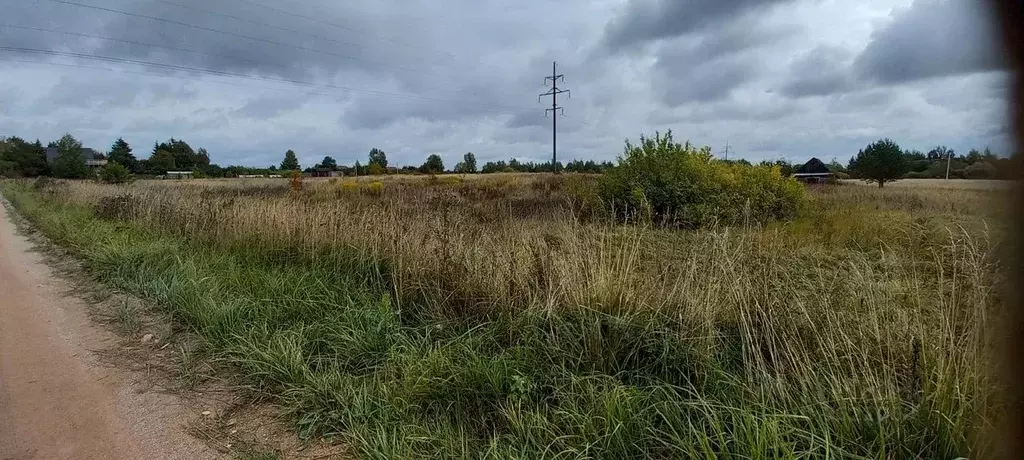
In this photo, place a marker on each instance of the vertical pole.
(949, 158)
(554, 120)
(554, 92)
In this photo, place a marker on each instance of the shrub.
(295, 181)
(376, 169)
(980, 170)
(349, 186)
(375, 188)
(115, 173)
(676, 184)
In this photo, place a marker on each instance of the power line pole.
(949, 159)
(554, 92)
(726, 150)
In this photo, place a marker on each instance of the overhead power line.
(165, 47)
(175, 77)
(342, 27)
(249, 37)
(176, 67)
(258, 23)
(555, 108)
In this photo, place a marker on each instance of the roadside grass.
(416, 325)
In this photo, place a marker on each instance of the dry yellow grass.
(956, 184)
(874, 302)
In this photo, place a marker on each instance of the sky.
(250, 79)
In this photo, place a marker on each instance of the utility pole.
(554, 92)
(726, 150)
(949, 159)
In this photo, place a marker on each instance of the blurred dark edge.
(1010, 18)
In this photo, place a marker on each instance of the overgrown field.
(509, 317)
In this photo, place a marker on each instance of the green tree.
(880, 162)
(202, 158)
(184, 157)
(22, 159)
(467, 165)
(121, 153)
(70, 163)
(160, 162)
(375, 169)
(378, 157)
(973, 156)
(329, 163)
(433, 165)
(115, 173)
(980, 170)
(290, 162)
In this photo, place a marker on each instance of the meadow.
(510, 316)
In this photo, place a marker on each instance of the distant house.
(324, 172)
(814, 172)
(93, 159)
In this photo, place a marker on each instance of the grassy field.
(961, 184)
(508, 317)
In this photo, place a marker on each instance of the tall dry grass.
(864, 326)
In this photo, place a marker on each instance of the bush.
(375, 188)
(675, 184)
(376, 169)
(980, 170)
(115, 173)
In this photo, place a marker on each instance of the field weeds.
(509, 318)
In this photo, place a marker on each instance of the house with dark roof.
(93, 159)
(814, 172)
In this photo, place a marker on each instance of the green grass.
(802, 340)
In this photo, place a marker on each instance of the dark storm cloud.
(682, 84)
(731, 111)
(707, 67)
(823, 70)
(932, 38)
(466, 76)
(644, 21)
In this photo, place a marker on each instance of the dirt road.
(56, 400)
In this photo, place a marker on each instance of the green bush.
(680, 185)
(980, 170)
(115, 173)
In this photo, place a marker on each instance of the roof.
(815, 166)
(87, 153)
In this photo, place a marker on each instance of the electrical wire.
(257, 39)
(177, 67)
(342, 27)
(165, 47)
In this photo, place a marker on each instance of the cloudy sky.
(249, 79)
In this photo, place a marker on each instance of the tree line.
(880, 161)
(377, 164)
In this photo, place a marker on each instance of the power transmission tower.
(554, 92)
(726, 150)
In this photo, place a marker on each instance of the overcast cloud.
(249, 79)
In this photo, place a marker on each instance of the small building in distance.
(814, 172)
(93, 159)
(324, 172)
(178, 175)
